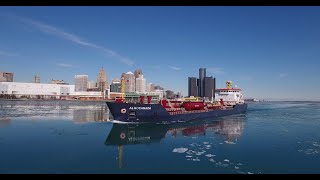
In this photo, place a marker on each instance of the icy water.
(76, 137)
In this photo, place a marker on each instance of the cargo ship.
(229, 101)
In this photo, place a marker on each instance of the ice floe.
(180, 150)
(210, 155)
(229, 142)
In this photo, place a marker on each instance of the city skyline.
(269, 52)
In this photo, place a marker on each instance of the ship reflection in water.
(230, 128)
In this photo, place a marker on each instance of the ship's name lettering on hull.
(140, 108)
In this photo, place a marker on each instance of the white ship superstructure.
(229, 95)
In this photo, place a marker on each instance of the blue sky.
(270, 52)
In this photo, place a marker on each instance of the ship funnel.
(228, 83)
(149, 99)
(141, 99)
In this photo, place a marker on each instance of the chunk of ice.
(210, 155)
(180, 150)
(229, 142)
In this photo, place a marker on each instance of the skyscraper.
(192, 86)
(129, 82)
(209, 87)
(202, 74)
(81, 82)
(137, 72)
(141, 84)
(102, 80)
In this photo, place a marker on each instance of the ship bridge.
(229, 94)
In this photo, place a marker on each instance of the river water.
(77, 137)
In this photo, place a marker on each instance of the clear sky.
(269, 52)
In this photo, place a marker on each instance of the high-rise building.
(137, 72)
(6, 77)
(192, 86)
(91, 85)
(115, 86)
(202, 74)
(102, 80)
(36, 79)
(209, 87)
(81, 82)
(129, 82)
(115, 80)
(141, 84)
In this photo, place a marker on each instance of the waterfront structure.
(6, 77)
(34, 89)
(115, 86)
(36, 79)
(102, 80)
(192, 86)
(81, 82)
(56, 81)
(45, 91)
(140, 84)
(158, 92)
(129, 82)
